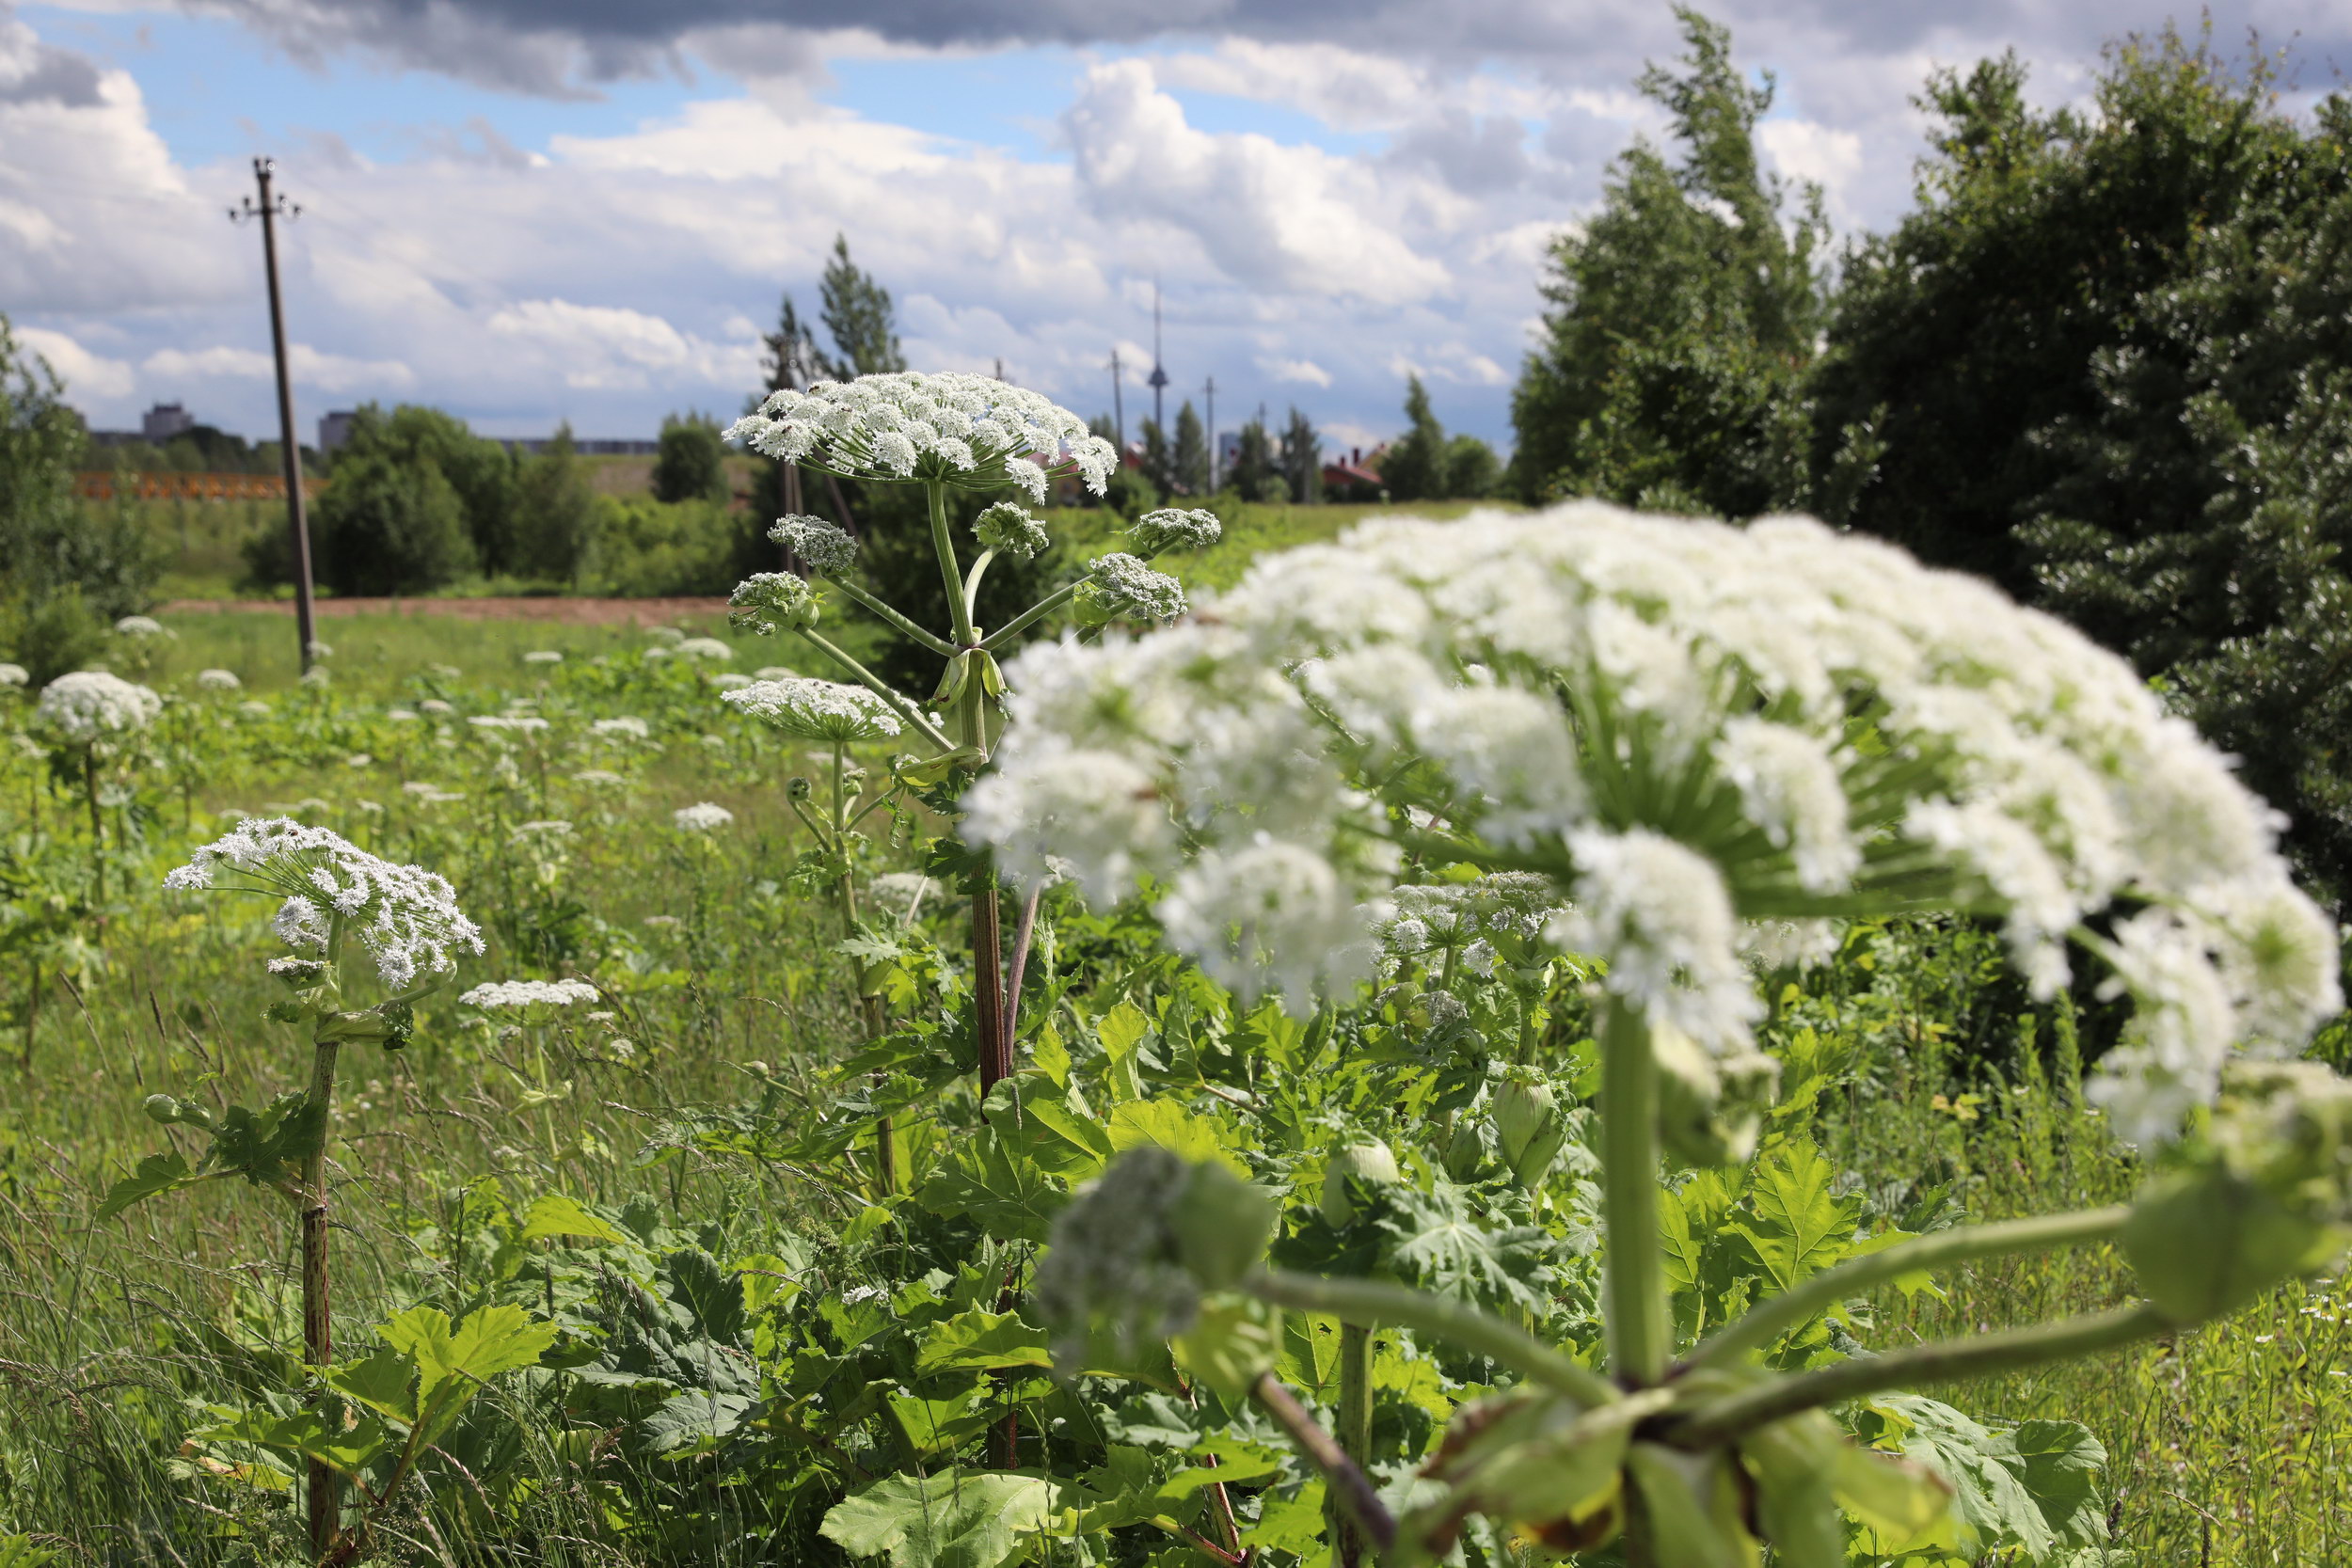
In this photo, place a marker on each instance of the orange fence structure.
(102, 485)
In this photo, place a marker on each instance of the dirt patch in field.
(576, 613)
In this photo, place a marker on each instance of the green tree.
(1414, 467)
(1158, 461)
(1977, 324)
(1683, 315)
(1256, 476)
(690, 464)
(859, 317)
(1471, 468)
(555, 512)
(1302, 458)
(1188, 460)
(387, 524)
(68, 569)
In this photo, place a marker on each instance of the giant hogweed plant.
(1709, 745)
(944, 432)
(340, 911)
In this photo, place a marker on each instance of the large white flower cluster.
(526, 993)
(815, 710)
(962, 430)
(90, 705)
(1704, 737)
(405, 916)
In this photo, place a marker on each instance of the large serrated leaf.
(951, 1519)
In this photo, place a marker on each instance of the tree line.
(2102, 360)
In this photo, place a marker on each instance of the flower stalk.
(1641, 1335)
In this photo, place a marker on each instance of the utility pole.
(1118, 403)
(1212, 436)
(1159, 373)
(269, 209)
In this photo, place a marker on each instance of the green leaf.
(18, 1551)
(157, 1173)
(1440, 1243)
(1121, 1032)
(553, 1214)
(2059, 1463)
(347, 1450)
(951, 1519)
(1008, 1196)
(453, 1364)
(1293, 1525)
(1990, 1505)
(1170, 1125)
(381, 1383)
(983, 1342)
(1796, 1228)
(1234, 1340)
(269, 1147)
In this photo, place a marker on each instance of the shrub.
(386, 526)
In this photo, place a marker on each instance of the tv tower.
(1159, 373)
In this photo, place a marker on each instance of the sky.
(535, 211)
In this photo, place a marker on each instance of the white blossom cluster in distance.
(815, 709)
(701, 817)
(14, 675)
(962, 430)
(1708, 737)
(140, 626)
(526, 993)
(405, 916)
(91, 706)
(218, 680)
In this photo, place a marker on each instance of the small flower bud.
(1529, 1128)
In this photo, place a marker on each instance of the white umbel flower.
(822, 546)
(1661, 719)
(969, 430)
(816, 709)
(1121, 588)
(14, 675)
(529, 993)
(405, 916)
(91, 706)
(701, 817)
(626, 725)
(1009, 530)
(704, 647)
(543, 656)
(140, 626)
(218, 680)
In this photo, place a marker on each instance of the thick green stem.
(1771, 1319)
(1641, 1336)
(1355, 1434)
(905, 627)
(1374, 1300)
(869, 1006)
(972, 587)
(1044, 606)
(97, 826)
(943, 542)
(1348, 1483)
(1945, 1361)
(875, 684)
(324, 1491)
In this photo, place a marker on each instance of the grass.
(2226, 1444)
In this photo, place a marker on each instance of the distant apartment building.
(335, 428)
(160, 423)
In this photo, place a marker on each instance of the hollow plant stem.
(1348, 1483)
(1355, 1434)
(1640, 1332)
(904, 626)
(1943, 1361)
(1028, 617)
(97, 826)
(869, 1006)
(1374, 1300)
(1773, 1318)
(943, 542)
(323, 1491)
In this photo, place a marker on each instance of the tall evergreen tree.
(1188, 462)
(1256, 476)
(554, 512)
(1158, 460)
(859, 317)
(1302, 458)
(1683, 315)
(1414, 467)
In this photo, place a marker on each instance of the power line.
(269, 210)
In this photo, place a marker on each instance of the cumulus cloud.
(83, 373)
(1273, 216)
(1304, 372)
(607, 346)
(305, 365)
